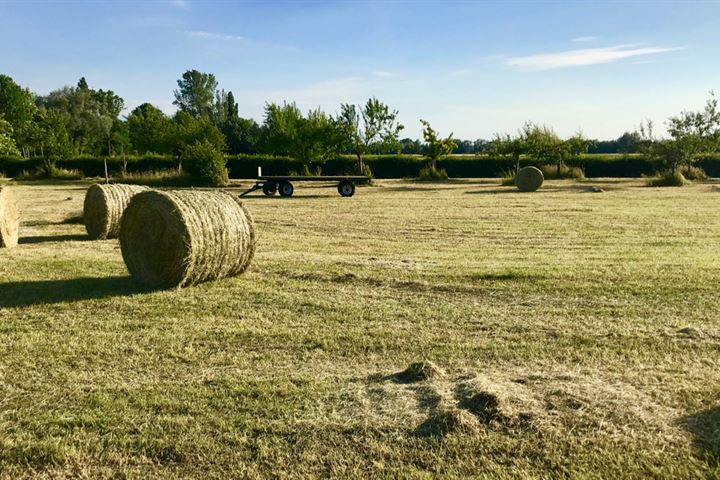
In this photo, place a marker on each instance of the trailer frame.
(282, 184)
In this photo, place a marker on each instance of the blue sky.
(473, 68)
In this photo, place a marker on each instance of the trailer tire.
(270, 189)
(346, 189)
(286, 189)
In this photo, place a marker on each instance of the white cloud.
(588, 38)
(582, 57)
(181, 4)
(213, 35)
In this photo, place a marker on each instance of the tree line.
(80, 120)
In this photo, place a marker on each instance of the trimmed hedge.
(383, 166)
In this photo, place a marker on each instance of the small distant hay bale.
(174, 239)
(419, 371)
(9, 218)
(104, 206)
(529, 179)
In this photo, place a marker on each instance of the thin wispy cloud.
(213, 35)
(384, 74)
(582, 57)
(181, 4)
(588, 38)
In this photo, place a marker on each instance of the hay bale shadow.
(705, 428)
(43, 292)
(52, 238)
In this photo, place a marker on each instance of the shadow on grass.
(45, 292)
(705, 428)
(51, 238)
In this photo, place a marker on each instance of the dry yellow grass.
(580, 331)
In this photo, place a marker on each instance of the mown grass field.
(594, 316)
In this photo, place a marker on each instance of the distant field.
(594, 316)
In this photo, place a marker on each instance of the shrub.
(47, 171)
(694, 173)
(507, 178)
(156, 178)
(432, 174)
(668, 178)
(551, 172)
(206, 163)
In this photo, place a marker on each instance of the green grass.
(570, 303)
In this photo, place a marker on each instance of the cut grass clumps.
(529, 179)
(104, 206)
(668, 178)
(447, 421)
(179, 238)
(9, 218)
(419, 371)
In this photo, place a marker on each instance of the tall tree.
(17, 106)
(372, 126)
(150, 130)
(196, 93)
(315, 137)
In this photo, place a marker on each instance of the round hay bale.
(179, 238)
(529, 179)
(9, 218)
(104, 206)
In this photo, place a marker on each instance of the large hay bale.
(180, 238)
(529, 179)
(104, 206)
(9, 218)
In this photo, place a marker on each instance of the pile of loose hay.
(104, 206)
(9, 218)
(529, 179)
(180, 238)
(419, 371)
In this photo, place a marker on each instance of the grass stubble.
(573, 334)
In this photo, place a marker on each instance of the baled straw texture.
(179, 238)
(9, 218)
(104, 206)
(529, 179)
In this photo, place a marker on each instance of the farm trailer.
(282, 184)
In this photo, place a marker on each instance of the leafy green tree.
(371, 127)
(513, 146)
(190, 130)
(436, 147)
(691, 135)
(242, 134)
(7, 144)
(17, 106)
(315, 137)
(55, 138)
(91, 115)
(196, 93)
(150, 130)
(544, 145)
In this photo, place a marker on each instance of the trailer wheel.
(286, 189)
(269, 189)
(346, 189)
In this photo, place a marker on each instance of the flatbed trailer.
(282, 184)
